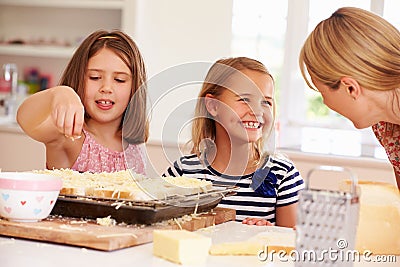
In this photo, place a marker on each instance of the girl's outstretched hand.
(257, 221)
(67, 112)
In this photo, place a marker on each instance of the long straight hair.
(204, 127)
(353, 42)
(136, 128)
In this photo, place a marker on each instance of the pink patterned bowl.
(27, 197)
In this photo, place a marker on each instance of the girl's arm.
(286, 215)
(52, 114)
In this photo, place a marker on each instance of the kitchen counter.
(24, 253)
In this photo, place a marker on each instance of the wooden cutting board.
(92, 235)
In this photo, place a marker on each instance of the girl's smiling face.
(107, 86)
(244, 110)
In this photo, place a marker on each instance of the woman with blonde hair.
(234, 119)
(353, 59)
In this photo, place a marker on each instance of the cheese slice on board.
(181, 246)
(271, 239)
(236, 248)
(235, 238)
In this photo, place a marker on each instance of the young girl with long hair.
(83, 121)
(233, 122)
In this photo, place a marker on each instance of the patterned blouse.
(388, 134)
(96, 158)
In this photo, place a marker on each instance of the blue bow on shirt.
(264, 182)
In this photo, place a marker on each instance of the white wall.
(180, 31)
(169, 34)
(363, 168)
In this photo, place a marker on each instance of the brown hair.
(136, 129)
(356, 43)
(204, 126)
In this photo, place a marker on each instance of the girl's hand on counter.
(257, 221)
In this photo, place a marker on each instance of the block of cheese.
(271, 239)
(378, 227)
(181, 246)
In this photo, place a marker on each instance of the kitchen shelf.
(97, 4)
(45, 25)
(37, 51)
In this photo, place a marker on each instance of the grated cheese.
(179, 225)
(106, 221)
(126, 184)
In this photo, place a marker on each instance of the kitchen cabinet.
(50, 30)
(19, 152)
(44, 34)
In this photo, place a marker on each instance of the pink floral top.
(96, 158)
(388, 134)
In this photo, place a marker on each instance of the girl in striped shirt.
(234, 119)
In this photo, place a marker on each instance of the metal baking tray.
(139, 212)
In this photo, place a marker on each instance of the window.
(273, 32)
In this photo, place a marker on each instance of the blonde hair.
(135, 121)
(204, 126)
(355, 43)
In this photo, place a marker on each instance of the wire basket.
(326, 224)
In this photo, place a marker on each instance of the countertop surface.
(21, 253)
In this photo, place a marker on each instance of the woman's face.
(107, 86)
(341, 101)
(244, 110)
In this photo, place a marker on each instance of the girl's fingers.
(258, 222)
(69, 123)
(58, 117)
(261, 222)
(249, 221)
(78, 123)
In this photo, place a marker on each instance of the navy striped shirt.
(275, 184)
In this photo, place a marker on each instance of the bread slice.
(126, 185)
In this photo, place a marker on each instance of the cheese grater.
(326, 224)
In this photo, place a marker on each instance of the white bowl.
(27, 197)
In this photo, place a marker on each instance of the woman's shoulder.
(386, 129)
